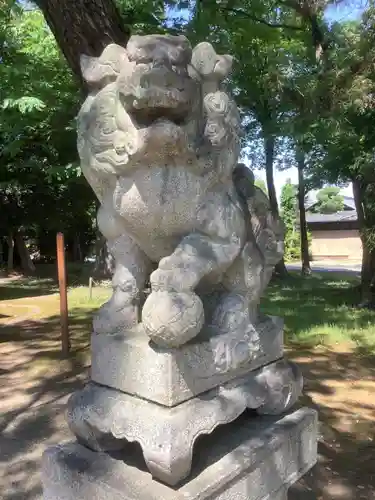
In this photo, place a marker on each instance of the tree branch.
(84, 27)
(309, 14)
(243, 13)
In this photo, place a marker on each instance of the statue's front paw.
(175, 279)
(112, 318)
(171, 319)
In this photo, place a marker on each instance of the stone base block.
(253, 458)
(106, 419)
(131, 363)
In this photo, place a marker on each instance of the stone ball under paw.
(171, 319)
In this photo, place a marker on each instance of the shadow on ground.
(35, 382)
(44, 282)
(340, 386)
(311, 305)
(26, 287)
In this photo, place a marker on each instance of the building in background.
(334, 236)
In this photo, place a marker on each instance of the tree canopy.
(329, 201)
(304, 85)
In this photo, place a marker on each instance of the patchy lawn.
(320, 310)
(39, 298)
(35, 321)
(333, 342)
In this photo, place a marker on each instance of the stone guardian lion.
(159, 142)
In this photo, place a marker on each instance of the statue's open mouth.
(160, 94)
(156, 103)
(145, 117)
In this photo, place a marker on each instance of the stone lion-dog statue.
(159, 140)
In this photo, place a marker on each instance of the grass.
(30, 317)
(321, 310)
(21, 297)
(318, 310)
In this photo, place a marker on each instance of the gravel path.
(35, 384)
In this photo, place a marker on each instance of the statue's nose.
(161, 59)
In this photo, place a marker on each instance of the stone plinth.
(105, 419)
(250, 459)
(174, 372)
(131, 363)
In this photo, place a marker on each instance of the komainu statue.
(159, 141)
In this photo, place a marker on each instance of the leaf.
(25, 104)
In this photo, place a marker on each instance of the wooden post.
(90, 287)
(61, 269)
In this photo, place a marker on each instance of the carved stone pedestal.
(253, 458)
(159, 140)
(105, 419)
(129, 362)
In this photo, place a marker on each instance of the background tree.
(264, 39)
(84, 27)
(329, 200)
(38, 159)
(344, 148)
(305, 258)
(297, 79)
(289, 212)
(261, 185)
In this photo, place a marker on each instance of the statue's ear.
(107, 67)
(208, 64)
(204, 59)
(223, 66)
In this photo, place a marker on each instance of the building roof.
(349, 203)
(343, 216)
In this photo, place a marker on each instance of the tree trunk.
(305, 258)
(26, 262)
(84, 27)
(1, 252)
(269, 148)
(77, 250)
(103, 260)
(368, 256)
(47, 245)
(10, 242)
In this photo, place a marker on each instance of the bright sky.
(346, 11)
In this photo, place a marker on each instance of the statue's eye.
(120, 150)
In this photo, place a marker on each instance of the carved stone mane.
(159, 140)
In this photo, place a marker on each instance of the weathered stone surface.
(250, 459)
(159, 140)
(130, 363)
(104, 419)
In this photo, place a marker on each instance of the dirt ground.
(35, 384)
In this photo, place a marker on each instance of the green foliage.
(144, 16)
(288, 202)
(153, 16)
(261, 185)
(368, 235)
(288, 205)
(41, 189)
(262, 66)
(328, 316)
(288, 87)
(329, 200)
